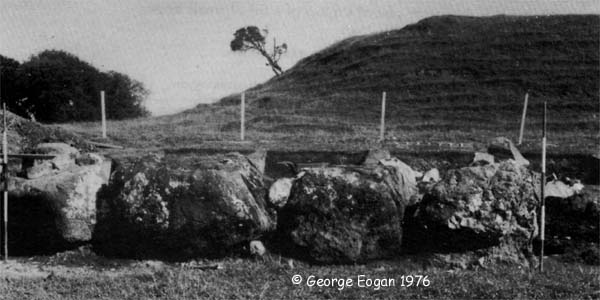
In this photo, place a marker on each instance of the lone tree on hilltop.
(251, 37)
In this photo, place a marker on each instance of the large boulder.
(343, 214)
(488, 210)
(177, 208)
(375, 155)
(259, 159)
(279, 192)
(559, 189)
(64, 157)
(482, 158)
(58, 207)
(432, 175)
(403, 179)
(504, 148)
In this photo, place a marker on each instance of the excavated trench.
(576, 166)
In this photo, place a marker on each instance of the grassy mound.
(448, 79)
(446, 74)
(23, 135)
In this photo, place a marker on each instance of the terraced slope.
(444, 76)
(448, 79)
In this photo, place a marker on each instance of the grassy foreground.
(60, 277)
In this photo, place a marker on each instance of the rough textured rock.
(259, 159)
(176, 208)
(559, 189)
(279, 192)
(39, 169)
(405, 179)
(65, 155)
(505, 148)
(64, 158)
(432, 175)
(375, 155)
(88, 159)
(347, 214)
(483, 158)
(572, 225)
(257, 248)
(488, 209)
(57, 207)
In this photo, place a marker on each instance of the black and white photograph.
(299, 149)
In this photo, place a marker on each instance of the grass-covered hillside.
(447, 78)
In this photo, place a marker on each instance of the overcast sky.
(180, 50)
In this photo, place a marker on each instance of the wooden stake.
(382, 128)
(523, 119)
(4, 169)
(5, 177)
(242, 116)
(103, 107)
(543, 209)
(104, 145)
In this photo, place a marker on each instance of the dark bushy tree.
(251, 37)
(11, 91)
(59, 87)
(126, 96)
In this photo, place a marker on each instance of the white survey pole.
(103, 108)
(5, 175)
(523, 119)
(543, 194)
(5, 179)
(382, 128)
(242, 116)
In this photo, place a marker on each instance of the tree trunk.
(274, 65)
